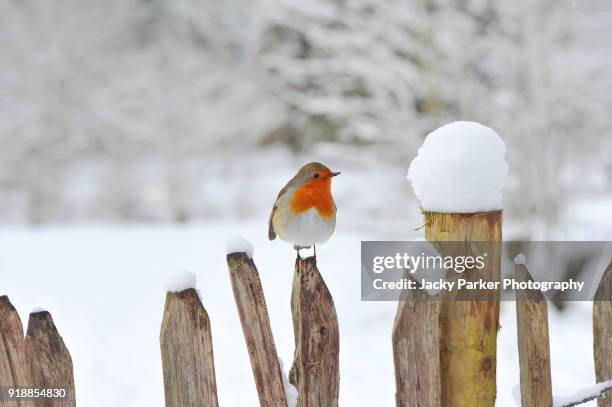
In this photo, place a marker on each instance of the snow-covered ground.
(104, 286)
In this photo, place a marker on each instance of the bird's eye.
(315, 175)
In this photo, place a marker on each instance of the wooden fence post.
(416, 350)
(49, 359)
(315, 370)
(468, 327)
(14, 364)
(533, 345)
(602, 334)
(187, 352)
(255, 321)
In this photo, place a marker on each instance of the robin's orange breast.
(314, 194)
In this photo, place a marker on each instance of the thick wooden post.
(50, 360)
(187, 352)
(533, 345)
(602, 334)
(255, 321)
(315, 370)
(468, 327)
(416, 350)
(14, 364)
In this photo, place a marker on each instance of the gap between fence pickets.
(584, 395)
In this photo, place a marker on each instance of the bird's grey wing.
(271, 231)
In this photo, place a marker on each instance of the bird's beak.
(333, 174)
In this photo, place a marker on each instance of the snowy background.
(136, 136)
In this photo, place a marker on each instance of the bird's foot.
(298, 248)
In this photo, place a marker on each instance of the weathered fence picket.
(468, 339)
(40, 360)
(315, 370)
(416, 350)
(50, 360)
(533, 344)
(602, 334)
(255, 321)
(187, 352)
(14, 364)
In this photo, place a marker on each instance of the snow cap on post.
(181, 281)
(460, 167)
(238, 244)
(520, 259)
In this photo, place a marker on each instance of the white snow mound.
(520, 259)
(460, 167)
(181, 281)
(36, 310)
(238, 244)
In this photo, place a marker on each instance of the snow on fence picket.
(40, 360)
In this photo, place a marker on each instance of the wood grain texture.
(315, 370)
(50, 360)
(468, 340)
(533, 344)
(255, 321)
(416, 350)
(14, 364)
(602, 334)
(187, 352)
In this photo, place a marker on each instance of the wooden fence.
(444, 352)
(38, 360)
(315, 371)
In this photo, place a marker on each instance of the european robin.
(304, 212)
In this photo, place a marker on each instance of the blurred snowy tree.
(543, 101)
(369, 71)
(137, 109)
(109, 110)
